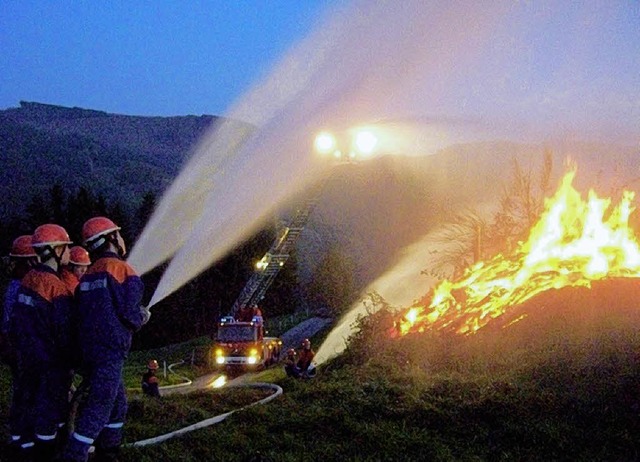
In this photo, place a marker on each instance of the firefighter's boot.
(106, 454)
(44, 451)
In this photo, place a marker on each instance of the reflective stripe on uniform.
(83, 439)
(46, 437)
(15, 437)
(114, 425)
(26, 300)
(28, 445)
(93, 285)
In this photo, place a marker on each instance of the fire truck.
(243, 345)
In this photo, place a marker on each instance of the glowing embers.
(574, 243)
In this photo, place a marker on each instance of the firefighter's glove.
(146, 314)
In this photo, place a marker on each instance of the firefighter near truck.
(242, 346)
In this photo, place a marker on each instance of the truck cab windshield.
(231, 333)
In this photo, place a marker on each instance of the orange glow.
(574, 243)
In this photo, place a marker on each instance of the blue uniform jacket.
(108, 309)
(10, 298)
(40, 325)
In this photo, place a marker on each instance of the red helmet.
(95, 228)
(153, 364)
(79, 256)
(291, 352)
(22, 248)
(50, 235)
(306, 343)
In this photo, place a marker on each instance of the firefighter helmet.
(94, 230)
(79, 256)
(21, 247)
(291, 352)
(50, 235)
(306, 343)
(153, 364)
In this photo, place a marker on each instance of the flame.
(573, 244)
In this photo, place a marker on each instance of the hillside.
(119, 156)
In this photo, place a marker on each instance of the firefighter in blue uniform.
(40, 331)
(108, 312)
(22, 258)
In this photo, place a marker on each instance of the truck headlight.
(219, 359)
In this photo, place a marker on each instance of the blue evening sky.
(145, 57)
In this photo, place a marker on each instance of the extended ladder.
(269, 266)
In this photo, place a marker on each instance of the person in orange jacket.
(150, 385)
(22, 258)
(79, 261)
(290, 364)
(108, 312)
(40, 330)
(305, 358)
(248, 312)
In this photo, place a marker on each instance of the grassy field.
(553, 387)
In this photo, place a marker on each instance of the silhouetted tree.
(469, 237)
(147, 206)
(58, 202)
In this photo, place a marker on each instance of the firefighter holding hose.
(109, 310)
(305, 358)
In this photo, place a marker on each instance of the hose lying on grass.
(186, 381)
(212, 420)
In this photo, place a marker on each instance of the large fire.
(574, 243)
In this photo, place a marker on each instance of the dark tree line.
(71, 209)
(191, 311)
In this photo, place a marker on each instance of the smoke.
(457, 70)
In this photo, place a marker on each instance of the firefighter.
(108, 312)
(256, 311)
(150, 380)
(22, 258)
(79, 261)
(304, 359)
(40, 331)
(248, 312)
(290, 364)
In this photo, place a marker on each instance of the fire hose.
(212, 420)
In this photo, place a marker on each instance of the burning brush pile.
(587, 245)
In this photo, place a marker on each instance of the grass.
(551, 394)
